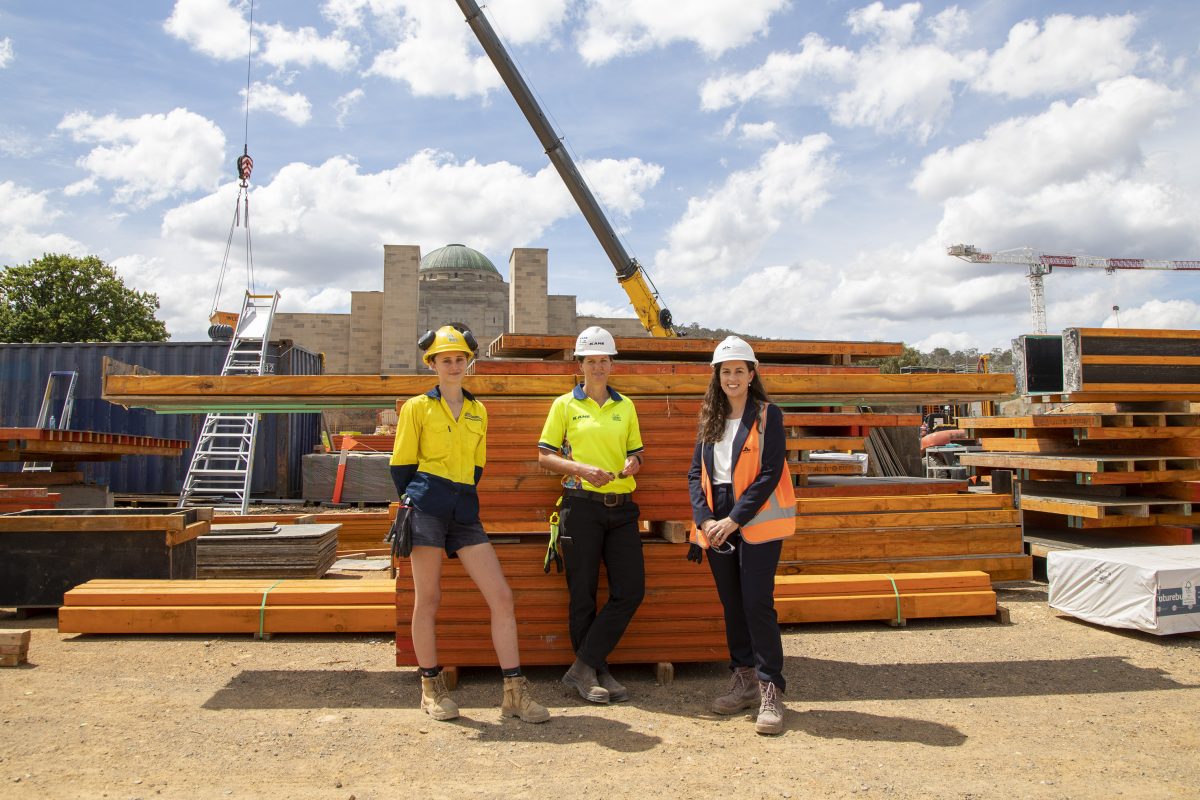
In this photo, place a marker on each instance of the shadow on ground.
(835, 724)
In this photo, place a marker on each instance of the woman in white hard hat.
(743, 506)
(591, 437)
(441, 447)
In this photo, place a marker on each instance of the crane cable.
(243, 166)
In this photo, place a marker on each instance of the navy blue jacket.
(773, 441)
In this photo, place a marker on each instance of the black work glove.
(695, 553)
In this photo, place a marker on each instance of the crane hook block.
(245, 165)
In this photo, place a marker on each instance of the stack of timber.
(357, 532)
(895, 598)
(39, 444)
(44, 553)
(266, 550)
(14, 647)
(907, 534)
(230, 606)
(678, 621)
(1113, 457)
(23, 499)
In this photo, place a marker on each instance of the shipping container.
(283, 439)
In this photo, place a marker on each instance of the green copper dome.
(459, 258)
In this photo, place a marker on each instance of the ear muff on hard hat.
(448, 339)
(734, 348)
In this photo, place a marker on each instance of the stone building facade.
(451, 284)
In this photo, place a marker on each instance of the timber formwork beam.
(300, 393)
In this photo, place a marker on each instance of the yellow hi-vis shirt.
(603, 436)
(443, 456)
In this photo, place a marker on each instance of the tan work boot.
(585, 681)
(743, 693)
(770, 713)
(518, 702)
(616, 692)
(435, 698)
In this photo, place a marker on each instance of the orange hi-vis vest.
(777, 517)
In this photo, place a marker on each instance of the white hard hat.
(595, 341)
(734, 348)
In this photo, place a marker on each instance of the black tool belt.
(609, 499)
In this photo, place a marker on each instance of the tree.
(60, 298)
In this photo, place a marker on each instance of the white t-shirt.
(723, 453)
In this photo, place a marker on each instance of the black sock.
(431, 672)
(515, 672)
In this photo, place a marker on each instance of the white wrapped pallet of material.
(1151, 589)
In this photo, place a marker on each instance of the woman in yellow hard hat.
(743, 506)
(592, 437)
(441, 447)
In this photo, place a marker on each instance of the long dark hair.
(715, 408)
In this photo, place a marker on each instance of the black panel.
(1135, 346)
(1043, 364)
(1164, 375)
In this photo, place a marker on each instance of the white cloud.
(950, 26)
(6, 52)
(720, 233)
(436, 54)
(614, 28)
(1064, 142)
(346, 103)
(951, 340)
(596, 308)
(891, 26)
(893, 83)
(1158, 315)
(152, 157)
(762, 131)
(211, 27)
(1068, 53)
(295, 108)
(16, 143)
(325, 225)
(306, 47)
(21, 208)
(88, 185)
(218, 29)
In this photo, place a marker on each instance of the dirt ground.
(1047, 707)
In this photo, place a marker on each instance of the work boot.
(743, 693)
(518, 702)
(616, 692)
(770, 713)
(435, 698)
(585, 681)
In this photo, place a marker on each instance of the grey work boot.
(770, 713)
(518, 702)
(585, 681)
(616, 692)
(435, 698)
(743, 693)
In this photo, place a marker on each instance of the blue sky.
(787, 169)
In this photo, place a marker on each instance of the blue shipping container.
(283, 439)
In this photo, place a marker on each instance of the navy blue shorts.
(431, 531)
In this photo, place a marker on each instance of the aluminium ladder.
(47, 419)
(223, 462)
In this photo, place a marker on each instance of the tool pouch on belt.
(400, 534)
(552, 553)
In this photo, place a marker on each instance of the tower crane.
(1042, 264)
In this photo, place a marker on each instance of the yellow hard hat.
(447, 339)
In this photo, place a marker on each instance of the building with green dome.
(453, 283)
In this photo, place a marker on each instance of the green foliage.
(60, 298)
(943, 360)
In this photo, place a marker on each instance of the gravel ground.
(1047, 707)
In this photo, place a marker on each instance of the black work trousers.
(746, 585)
(590, 534)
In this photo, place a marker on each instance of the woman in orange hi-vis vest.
(743, 506)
